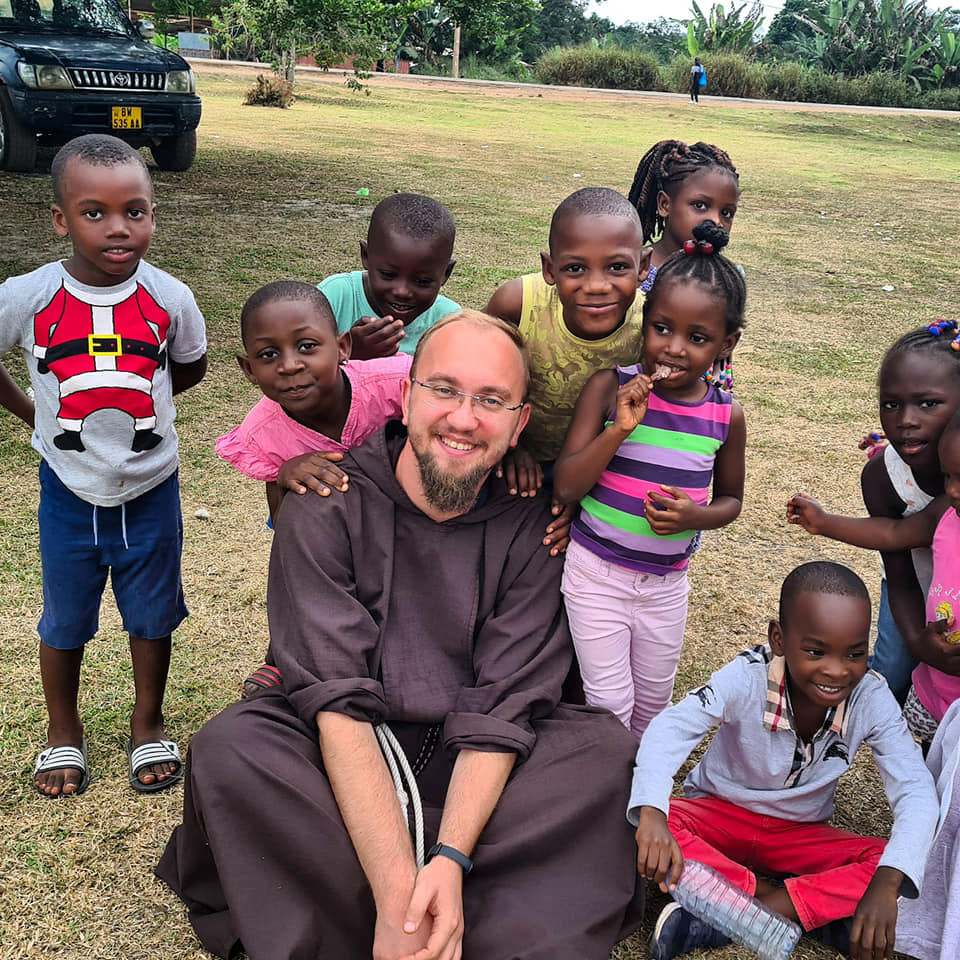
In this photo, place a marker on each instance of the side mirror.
(146, 29)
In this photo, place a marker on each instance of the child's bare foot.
(166, 768)
(64, 775)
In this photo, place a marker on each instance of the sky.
(643, 11)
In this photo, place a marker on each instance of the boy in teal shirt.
(407, 258)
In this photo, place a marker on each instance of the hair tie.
(941, 326)
(872, 443)
(699, 246)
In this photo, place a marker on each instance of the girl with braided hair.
(678, 186)
(919, 395)
(919, 392)
(646, 443)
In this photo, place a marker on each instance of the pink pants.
(627, 629)
(827, 870)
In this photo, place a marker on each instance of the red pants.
(827, 870)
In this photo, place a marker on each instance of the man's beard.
(449, 493)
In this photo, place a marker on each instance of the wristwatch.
(442, 850)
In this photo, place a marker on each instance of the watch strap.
(443, 850)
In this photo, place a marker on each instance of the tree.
(329, 30)
(719, 31)
(945, 69)
(662, 38)
(165, 11)
(786, 26)
(854, 37)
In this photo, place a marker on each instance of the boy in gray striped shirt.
(792, 714)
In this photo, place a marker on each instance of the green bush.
(728, 75)
(820, 87)
(424, 68)
(473, 68)
(608, 67)
(272, 91)
(882, 90)
(783, 81)
(948, 99)
(733, 75)
(508, 70)
(676, 75)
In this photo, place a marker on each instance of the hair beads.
(942, 326)
(723, 378)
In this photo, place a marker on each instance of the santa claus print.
(104, 350)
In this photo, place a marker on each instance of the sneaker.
(679, 931)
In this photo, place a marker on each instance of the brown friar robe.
(454, 634)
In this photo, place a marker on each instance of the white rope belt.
(401, 770)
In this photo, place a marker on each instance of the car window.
(102, 15)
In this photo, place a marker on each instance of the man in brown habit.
(420, 606)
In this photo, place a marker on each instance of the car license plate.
(127, 118)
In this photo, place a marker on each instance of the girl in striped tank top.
(646, 445)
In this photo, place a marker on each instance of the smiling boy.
(579, 314)
(108, 339)
(792, 714)
(407, 257)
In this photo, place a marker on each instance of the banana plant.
(720, 30)
(854, 37)
(946, 67)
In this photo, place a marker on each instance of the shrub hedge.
(732, 75)
(609, 67)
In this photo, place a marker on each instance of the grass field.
(835, 206)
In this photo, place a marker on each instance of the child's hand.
(521, 472)
(375, 337)
(558, 529)
(632, 400)
(313, 471)
(805, 511)
(673, 511)
(938, 650)
(875, 919)
(659, 857)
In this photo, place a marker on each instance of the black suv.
(69, 67)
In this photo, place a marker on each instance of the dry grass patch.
(834, 207)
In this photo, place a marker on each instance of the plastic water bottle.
(714, 899)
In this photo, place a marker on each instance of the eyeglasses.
(446, 398)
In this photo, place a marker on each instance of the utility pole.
(456, 51)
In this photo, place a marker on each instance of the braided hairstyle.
(711, 270)
(664, 167)
(923, 341)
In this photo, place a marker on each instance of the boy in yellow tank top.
(580, 313)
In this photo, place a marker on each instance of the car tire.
(176, 153)
(18, 144)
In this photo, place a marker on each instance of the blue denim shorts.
(137, 543)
